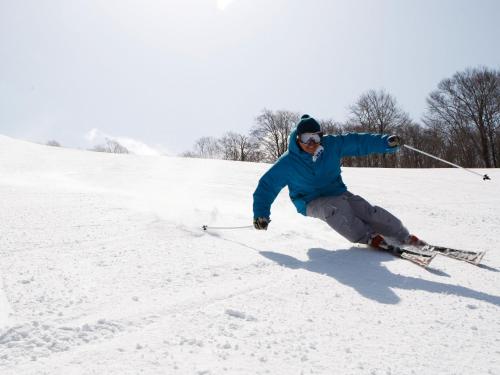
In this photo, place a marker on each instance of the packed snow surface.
(105, 269)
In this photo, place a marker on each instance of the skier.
(311, 170)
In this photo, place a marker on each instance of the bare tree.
(466, 108)
(240, 147)
(424, 139)
(111, 146)
(208, 148)
(53, 143)
(376, 112)
(188, 154)
(229, 144)
(330, 126)
(272, 130)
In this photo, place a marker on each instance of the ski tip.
(479, 258)
(430, 260)
(418, 260)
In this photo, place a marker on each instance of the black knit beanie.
(307, 125)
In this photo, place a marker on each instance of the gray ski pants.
(356, 219)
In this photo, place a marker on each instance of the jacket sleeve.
(360, 144)
(268, 188)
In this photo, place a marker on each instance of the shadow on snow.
(359, 269)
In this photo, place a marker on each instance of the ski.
(418, 256)
(472, 257)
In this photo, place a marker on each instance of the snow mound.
(34, 340)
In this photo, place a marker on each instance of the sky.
(158, 75)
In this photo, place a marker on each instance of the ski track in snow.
(105, 269)
(5, 309)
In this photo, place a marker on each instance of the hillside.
(105, 270)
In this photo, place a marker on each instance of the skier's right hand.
(261, 223)
(394, 141)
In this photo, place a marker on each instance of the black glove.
(394, 141)
(261, 223)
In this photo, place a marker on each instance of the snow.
(105, 270)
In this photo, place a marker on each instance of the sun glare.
(222, 4)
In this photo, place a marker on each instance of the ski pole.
(206, 227)
(485, 176)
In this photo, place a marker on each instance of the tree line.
(111, 146)
(461, 124)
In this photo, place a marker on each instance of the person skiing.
(311, 170)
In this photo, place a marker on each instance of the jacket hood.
(293, 147)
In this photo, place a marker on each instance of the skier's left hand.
(394, 141)
(261, 223)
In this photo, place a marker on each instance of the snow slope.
(105, 270)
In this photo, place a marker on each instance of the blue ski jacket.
(307, 179)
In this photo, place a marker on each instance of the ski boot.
(413, 240)
(377, 242)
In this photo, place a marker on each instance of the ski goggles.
(308, 138)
